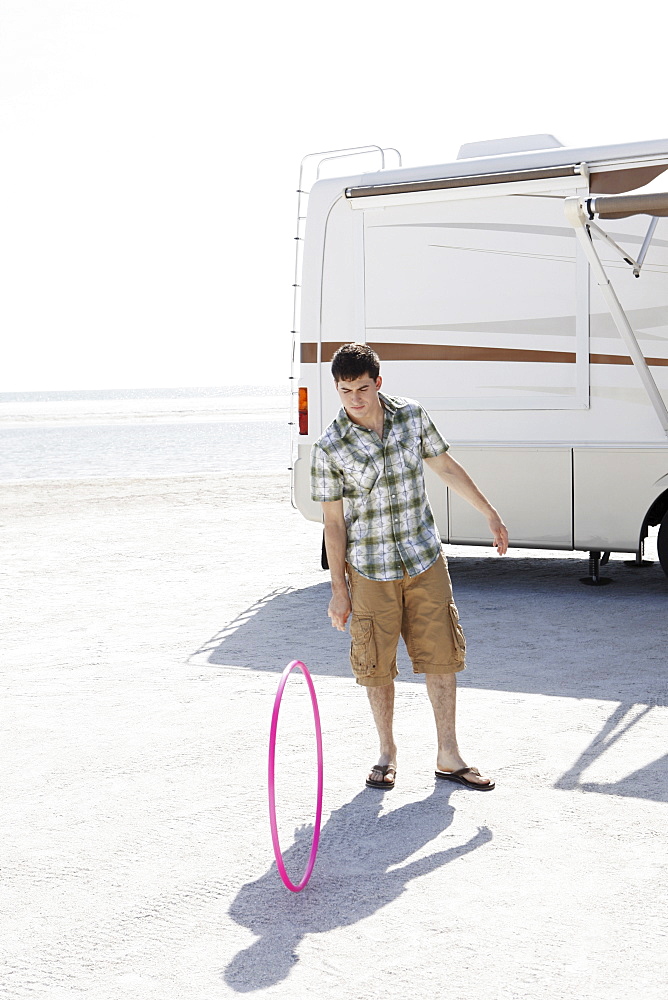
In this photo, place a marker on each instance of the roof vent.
(516, 144)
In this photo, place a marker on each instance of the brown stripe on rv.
(623, 359)
(441, 352)
(438, 352)
(309, 353)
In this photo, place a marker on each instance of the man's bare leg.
(381, 700)
(442, 690)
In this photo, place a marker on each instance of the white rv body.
(472, 285)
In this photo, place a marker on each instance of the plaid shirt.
(388, 517)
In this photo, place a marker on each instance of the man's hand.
(336, 538)
(499, 532)
(457, 478)
(339, 610)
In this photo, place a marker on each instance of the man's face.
(360, 397)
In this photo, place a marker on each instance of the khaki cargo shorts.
(419, 608)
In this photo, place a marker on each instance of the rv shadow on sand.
(531, 626)
(649, 782)
(357, 841)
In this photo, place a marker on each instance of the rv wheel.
(662, 544)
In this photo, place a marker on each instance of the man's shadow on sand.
(354, 877)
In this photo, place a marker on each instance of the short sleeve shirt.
(388, 518)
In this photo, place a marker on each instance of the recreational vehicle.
(521, 295)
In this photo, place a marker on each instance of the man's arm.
(456, 478)
(336, 541)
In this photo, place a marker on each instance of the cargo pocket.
(459, 647)
(362, 647)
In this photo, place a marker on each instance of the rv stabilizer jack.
(596, 560)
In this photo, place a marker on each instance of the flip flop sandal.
(458, 776)
(384, 769)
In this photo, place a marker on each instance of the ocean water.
(143, 432)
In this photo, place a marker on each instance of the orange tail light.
(303, 411)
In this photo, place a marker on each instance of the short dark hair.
(353, 361)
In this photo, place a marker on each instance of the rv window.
(483, 301)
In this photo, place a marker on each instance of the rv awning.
(623, 206)
(472, 180)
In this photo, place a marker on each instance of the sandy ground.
(146, 623)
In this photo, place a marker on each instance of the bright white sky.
(151, 151)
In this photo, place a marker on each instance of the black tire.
(662, 543)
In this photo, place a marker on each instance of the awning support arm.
(575, 213)
(626, 257)
(646, 242)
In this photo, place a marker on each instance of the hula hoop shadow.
(278, 854)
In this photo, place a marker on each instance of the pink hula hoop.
(272, 795)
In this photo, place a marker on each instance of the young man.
(384, 552)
